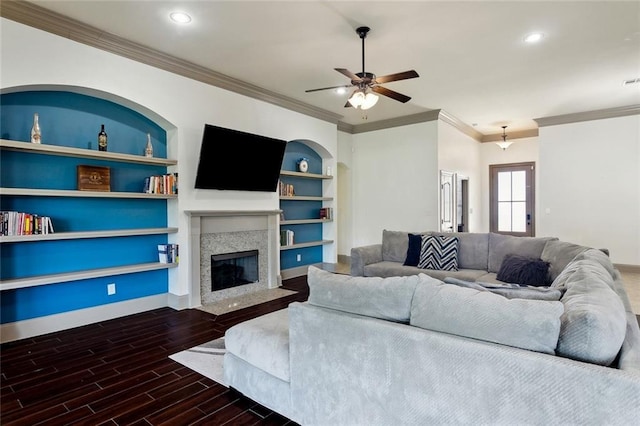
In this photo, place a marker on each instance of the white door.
(447, 204)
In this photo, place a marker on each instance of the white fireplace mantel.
(214, 221)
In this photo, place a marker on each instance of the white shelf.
(304, 198)
(83, 153)
(304, 175)
(86, 194)
(307, 244)
(82, 275)
(86, 234)
(303, 221)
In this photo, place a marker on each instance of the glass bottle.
(102, 139)
(35, 130)
(148, 151)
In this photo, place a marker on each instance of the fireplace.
(234, 269)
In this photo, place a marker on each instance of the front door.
(512, 199)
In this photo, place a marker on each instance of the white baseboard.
(57, 322)
(178, 302)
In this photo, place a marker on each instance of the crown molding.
(405, 120)
(38, 17)
(588, 115)
(460, 125)
(520, 134)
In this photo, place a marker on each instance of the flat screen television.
(239, 161)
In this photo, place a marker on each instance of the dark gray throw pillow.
(413, 252)
(523, 270)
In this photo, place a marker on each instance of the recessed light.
(180, 17)
(341, 90)
(533, 37)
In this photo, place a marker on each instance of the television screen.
(235, 160)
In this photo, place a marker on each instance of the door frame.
(493, 195)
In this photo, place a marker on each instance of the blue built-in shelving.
(301, 211)
(100, 237)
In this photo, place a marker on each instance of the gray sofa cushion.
(582, 269)
(594, 320)
(394, 245)
(473, 249)
(559, 254)
(502, 245)
(597, 255)
(482, 315)
(263, 342)
(510, 291)
(395, 269)
(384, 298)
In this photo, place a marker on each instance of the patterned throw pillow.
(439, 252)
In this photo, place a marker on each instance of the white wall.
(345, 193)
(521, 151)
(394, 176)
(460, 154)
(590, 185)
(34, 57)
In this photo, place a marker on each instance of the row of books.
(162, 184)
(18, 223)
(286, 237)
(326, 213)
(168, 253)
(286, 189)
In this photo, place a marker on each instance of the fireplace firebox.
(234, 269)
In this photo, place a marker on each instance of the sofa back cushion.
(394, 245)
(559, 254)
(473, 249)
(594, 322)
(384, 298)
(502, 245)
(482, 315)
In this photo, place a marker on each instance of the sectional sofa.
(411, 348)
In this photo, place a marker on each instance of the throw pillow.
(413, 252)
(439, 252)
(524, 270)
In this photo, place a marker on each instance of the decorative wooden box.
(94, 178)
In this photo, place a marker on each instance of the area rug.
(205, 359)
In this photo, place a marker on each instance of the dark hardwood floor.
(118, 372)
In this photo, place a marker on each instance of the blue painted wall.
(302, 209)
(70, 119)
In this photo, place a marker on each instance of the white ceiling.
(471, 57)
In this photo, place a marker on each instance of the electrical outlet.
(299, 258)
(111, 289)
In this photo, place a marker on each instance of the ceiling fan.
(366, 82)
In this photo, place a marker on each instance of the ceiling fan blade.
(348, 105)
(348, 73)
(391, 94)
(328, 88)
(397, 76)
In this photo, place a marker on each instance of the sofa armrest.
(363, 256)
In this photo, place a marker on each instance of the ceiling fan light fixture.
(363, 100)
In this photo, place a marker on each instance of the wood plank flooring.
(118, 372)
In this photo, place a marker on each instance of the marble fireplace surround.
(205, 229)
